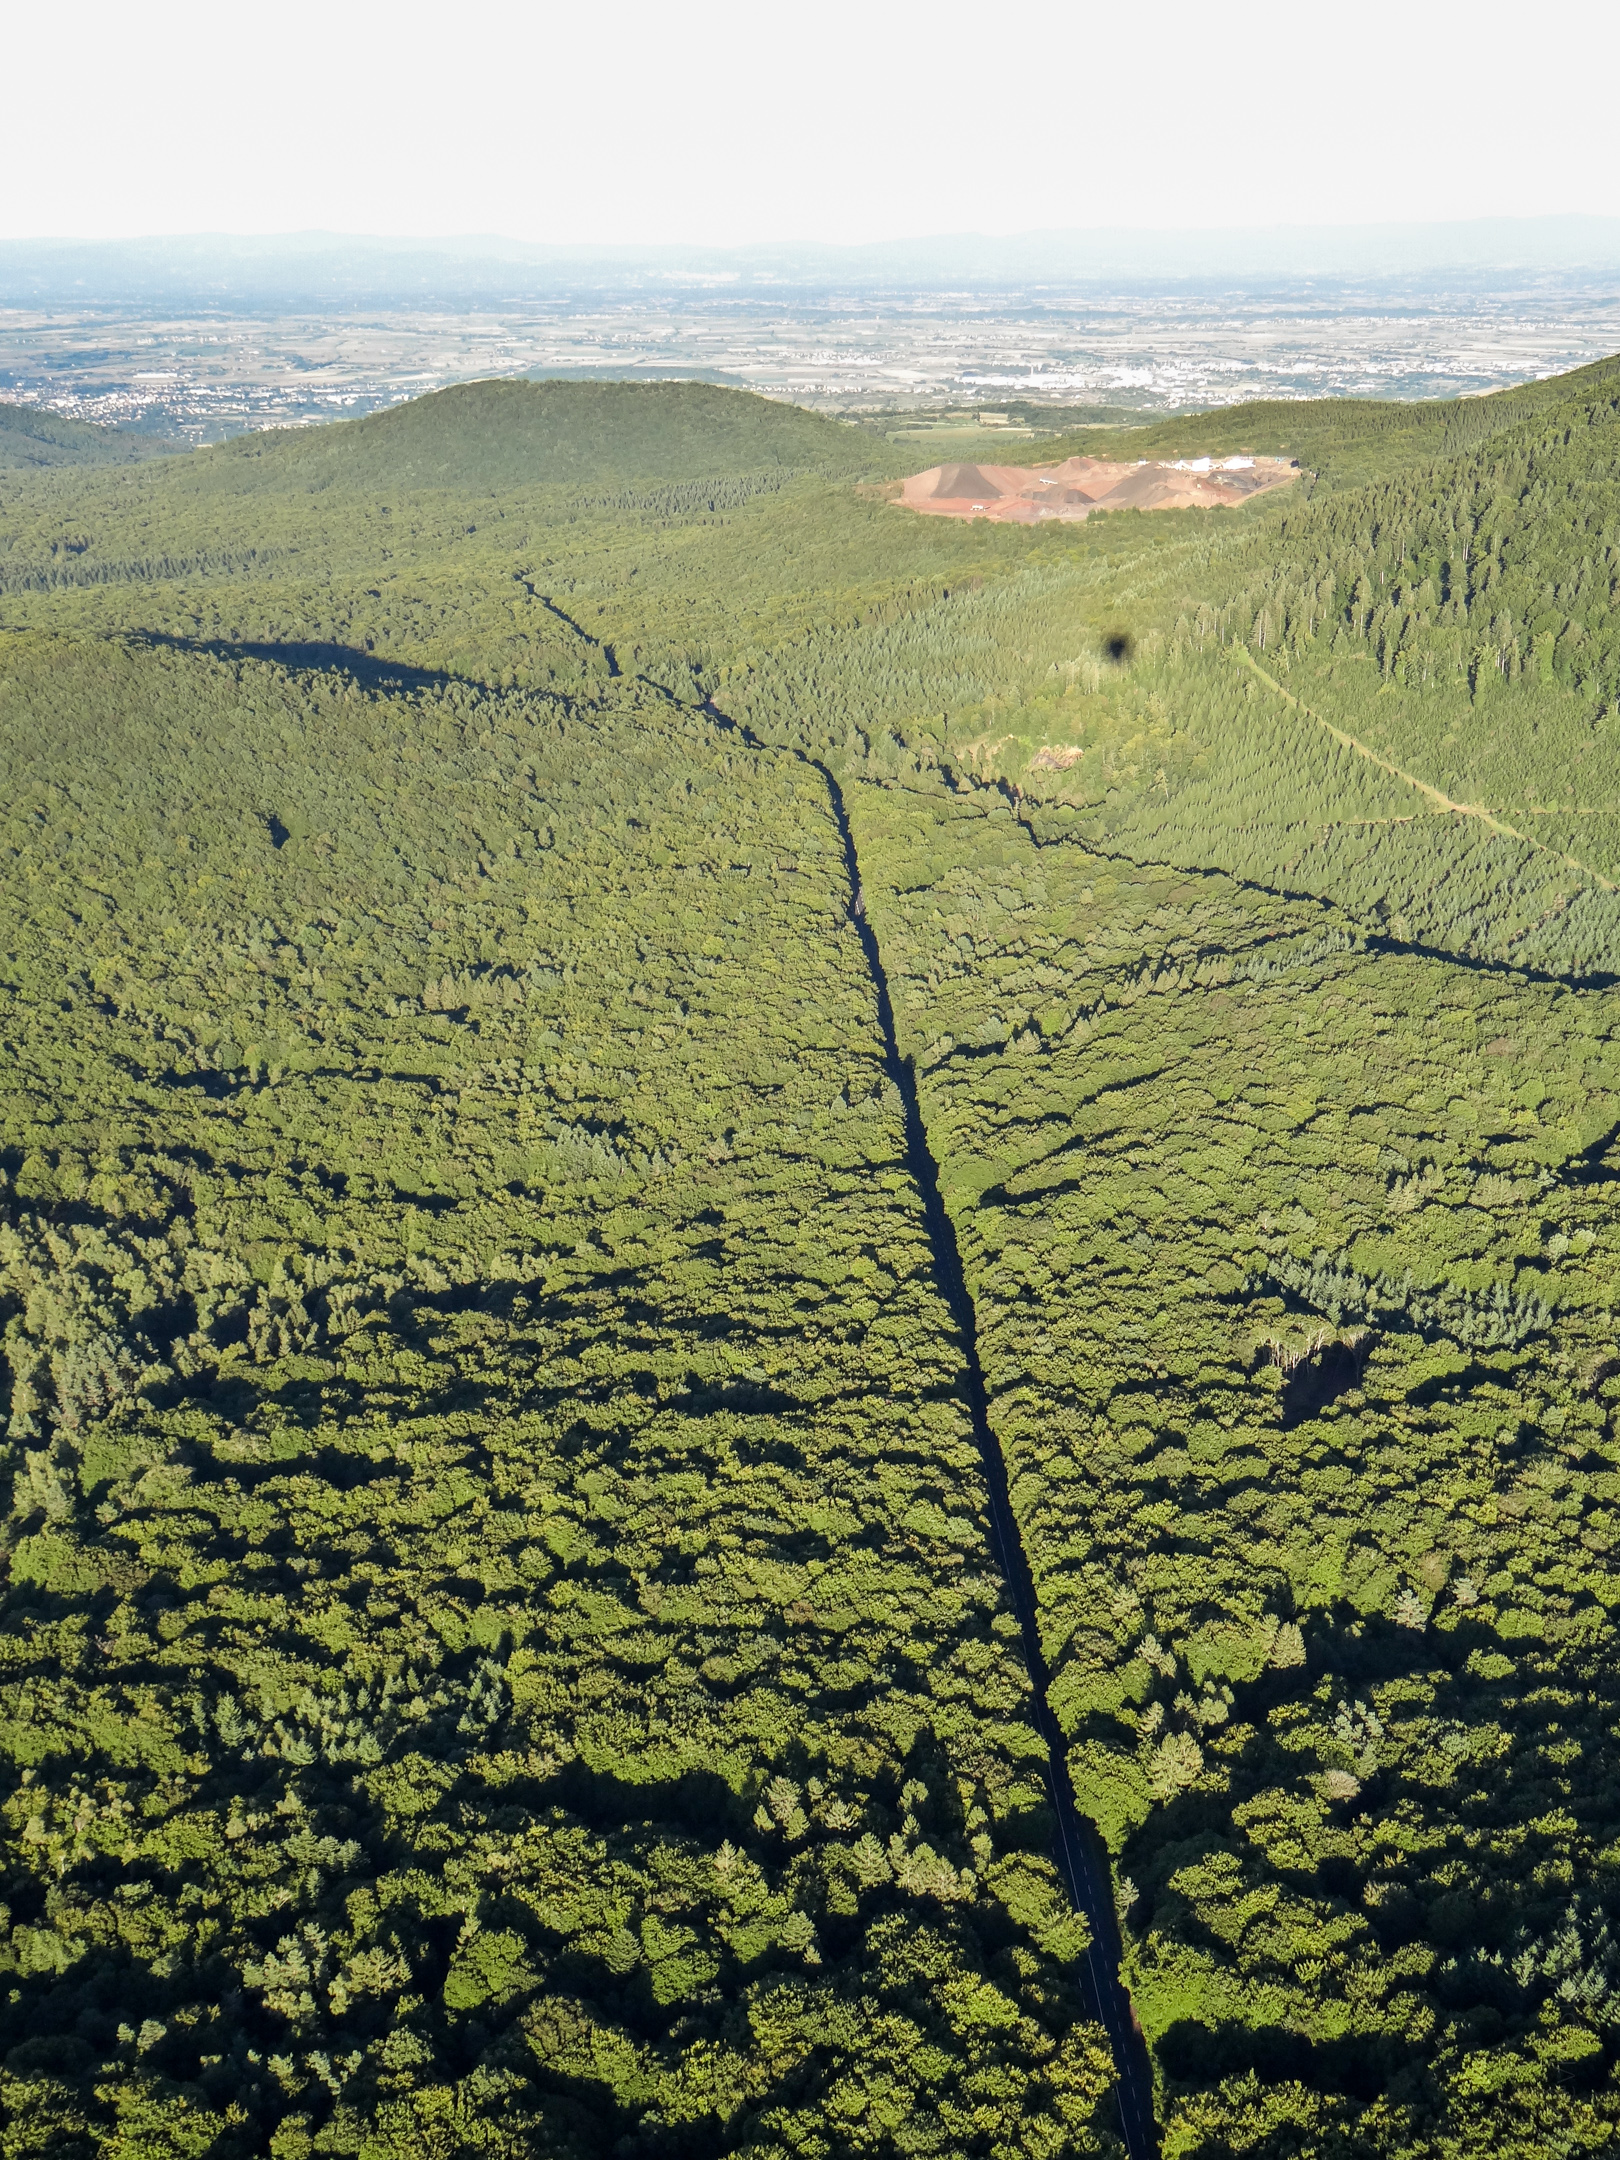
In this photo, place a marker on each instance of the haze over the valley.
(205, 337)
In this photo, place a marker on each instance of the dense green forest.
(31, 437)
(782, 1287)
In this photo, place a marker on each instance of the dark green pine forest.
(807, 1318)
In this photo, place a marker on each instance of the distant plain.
(198, 372)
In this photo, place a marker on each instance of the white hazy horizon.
(310, 238)
(724, 124)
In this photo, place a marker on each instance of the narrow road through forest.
(1077, 1847)
(1432, 795)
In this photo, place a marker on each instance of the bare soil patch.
(1031, 495)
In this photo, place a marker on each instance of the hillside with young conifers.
(519, 906)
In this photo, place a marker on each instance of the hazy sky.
(643, 120)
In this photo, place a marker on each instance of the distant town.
(198, 377)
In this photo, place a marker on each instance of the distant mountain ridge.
(332, 268)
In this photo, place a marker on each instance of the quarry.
(1031, 495)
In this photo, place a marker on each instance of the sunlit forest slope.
(808, 1318)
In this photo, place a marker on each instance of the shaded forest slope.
(499, 1611)
(32, 440)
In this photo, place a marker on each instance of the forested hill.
(508, 434)
(1346, 440)
(707, 1195)
(30, 438)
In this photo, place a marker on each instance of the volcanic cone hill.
(509, 434)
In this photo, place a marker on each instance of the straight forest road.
(1077, 1847)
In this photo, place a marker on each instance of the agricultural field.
(809, 1316)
